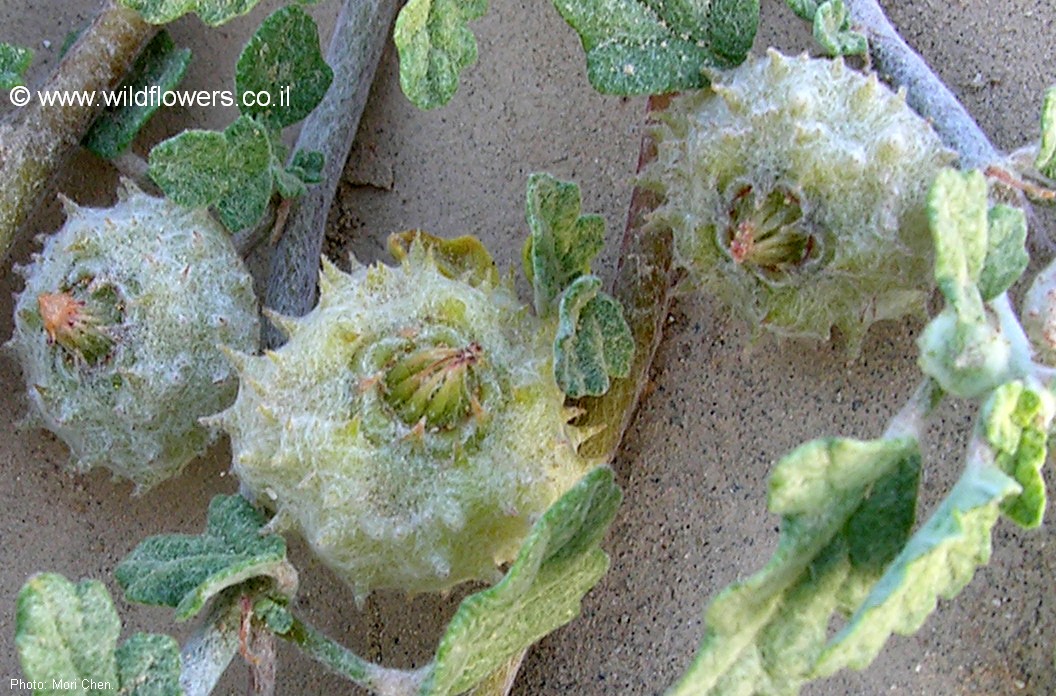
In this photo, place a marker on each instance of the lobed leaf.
(67, 632)
(1046, 159)
(160, 65)
(231, 171)
(435, 45)
(562, 243)
(212, 12)
(593, 341)
(848, 507)
(957, 214)
(832, 30)
(14, 61)
(938, 561)
(1006, 253)
(283, 60)
(184, 571)
(660, 46)
(978, 254)
(558, 563)
(1015, 422)
(66, 636)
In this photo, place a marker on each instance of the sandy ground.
(695, 463)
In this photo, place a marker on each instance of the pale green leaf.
(963, 347)
(1006, 253)
(957, 214)
(282, 65)
(14, 61)
(1015, 422)
(160, 65)
(832, 31)
(149, 665)
(435, 45)
(67, 632)
(848, 507)
(1046, 159)
(557, 564)
(212, 12)
(938, 561)
(561, 243)
(593, 341)
(660, 46)
(230, 170)
(184, 571)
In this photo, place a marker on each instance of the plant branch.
(355, 49)
(643, 285)
(205, 657)
(323, 649)
(36, 140)
(925, 92)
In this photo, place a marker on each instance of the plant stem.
(643, 285)
(205, 657)
(925, 92)
(911, 418)
(380, 680)
(36, 140)
(355, 49)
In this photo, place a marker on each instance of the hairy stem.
(36, 140)
(380, 680)
(903, 67)
(355, 49)
(643, 285)
(205, 657)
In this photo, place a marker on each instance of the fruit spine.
(796, 189)
(118, 332)
(410, 429)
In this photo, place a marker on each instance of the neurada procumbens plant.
(847, 545)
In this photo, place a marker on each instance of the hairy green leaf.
(158, 69)
(660, 46)
(593, 341)
(1046, 159)
(957, 214)
(561, 243)
(938, 561)
(67, 632)
(66, 636)
(231, 171)
(149, 665)
(1006, 253)
(283, 67)
(212, 12)
(435, 46)
(848, 507)
(14, 61)
(832, 31)
(1015, 421)
(978, 253)
(184, 571)
(307, 165)
(557, 564)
